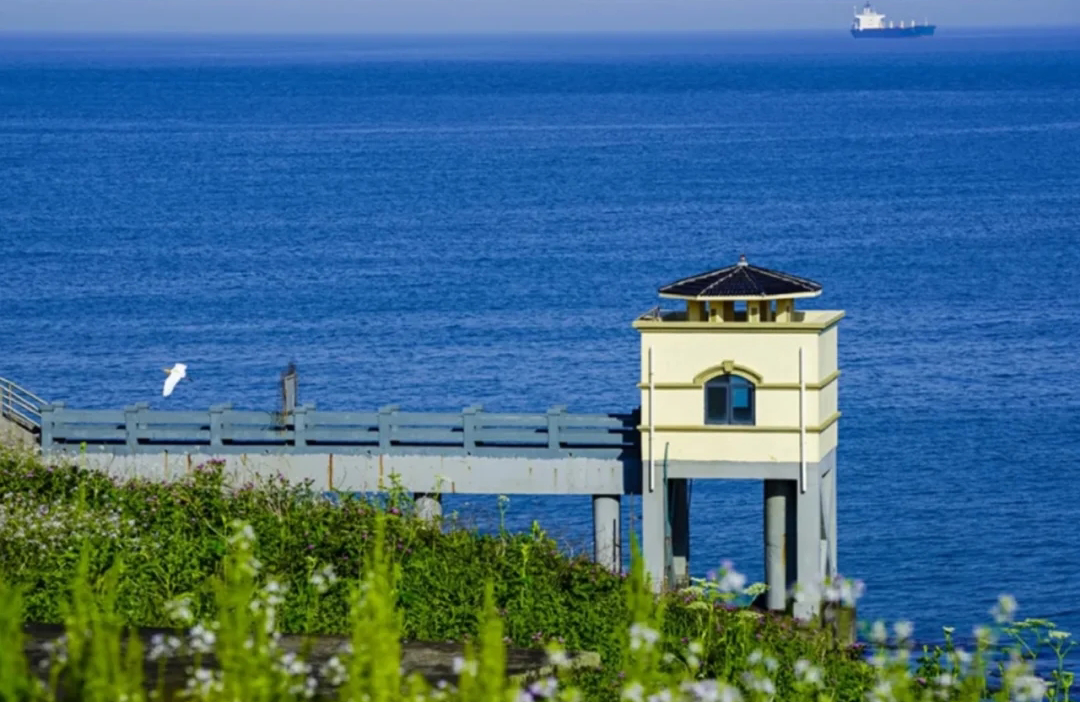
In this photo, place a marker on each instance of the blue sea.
(437, 222)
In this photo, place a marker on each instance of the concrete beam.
(733, 470)
(372, 473)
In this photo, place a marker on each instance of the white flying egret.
(176, 374)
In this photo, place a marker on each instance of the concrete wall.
(12, 434)
(375, 472)
(687, 354)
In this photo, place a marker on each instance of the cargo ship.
(871, 25)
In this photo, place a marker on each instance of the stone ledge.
(434, 661)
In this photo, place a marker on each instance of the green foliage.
(238, 564)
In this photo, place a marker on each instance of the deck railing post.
(468, 427)
(46, 427)
(554, 420)
(300, 423)
(386, 425)
(216, 416)
(131, 426)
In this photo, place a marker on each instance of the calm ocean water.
(438, 223)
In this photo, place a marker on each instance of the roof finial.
(742, 260)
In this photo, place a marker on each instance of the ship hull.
(925, 30)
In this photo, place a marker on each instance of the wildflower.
(903, 630)
(693, 655)
(733, 580)
(333, 670)
(202, 639)
(1028, 688)
(882, 692)
(633, 692)
(544, 688)
(807, 673)
(461, 665)
(324, 578)
(1059, 635)
(641, 635)
(759, 683)
(557, 657)
(203, 682)
(984, 636)
(243, 535)
(1004, 609)
(712, 691)
(878, 634)
(944, 680)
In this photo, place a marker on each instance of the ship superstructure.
(872, 24)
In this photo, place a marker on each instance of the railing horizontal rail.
(19, 405)
(472, 431)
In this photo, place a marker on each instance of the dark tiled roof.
(741, 280)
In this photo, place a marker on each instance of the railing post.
(131, 426)
(288, 389)
(386, 416)
(468, 427)
(554, 420)
(46, 427)
(300, 423)
(216, 414)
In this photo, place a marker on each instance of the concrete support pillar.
(808, 546)
(607, 534)
(428, 506)
(654, 520)
(679, 511)
(780, 497)
(828, 520)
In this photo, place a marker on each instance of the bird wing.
(170, 383)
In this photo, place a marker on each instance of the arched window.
(729, 399)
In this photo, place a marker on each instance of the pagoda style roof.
(740, 282)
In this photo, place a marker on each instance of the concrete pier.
(607, 534)
(679, 511)
(779, 504)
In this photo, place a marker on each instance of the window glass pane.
(716, 404)
(742, 405)
(740, 397)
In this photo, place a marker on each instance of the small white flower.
(558, 658)
(1028, 688)
(807, 672)
(633, 692)
(202, 639)
(1004, 609)
(878, 633)
(544, 688)
(333, 670)
(641, 635)
(461, 666)
(903, 630)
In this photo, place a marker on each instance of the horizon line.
(491, 33)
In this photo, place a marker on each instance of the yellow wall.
(685, 354)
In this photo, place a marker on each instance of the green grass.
(233, 566)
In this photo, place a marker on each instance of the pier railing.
(19, 405)
(222, 429)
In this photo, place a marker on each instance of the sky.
(504, 16)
